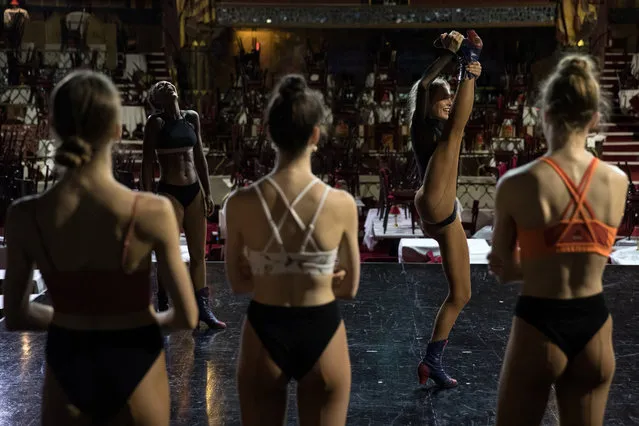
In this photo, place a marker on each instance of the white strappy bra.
(282, 262)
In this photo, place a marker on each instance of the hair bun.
(74, 152)
(576, 65)
(292, 86)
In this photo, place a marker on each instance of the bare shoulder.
(154, 214)
(154, 120)
(515, 178)
(239, 201)
(24, 204)
(241, 195)
(342, 202)
(21, 212)
(615, 174)
(191, 115)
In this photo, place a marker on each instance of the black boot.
(206, 315)
(432, 367)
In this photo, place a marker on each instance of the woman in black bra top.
(437, 126)
(173, 137)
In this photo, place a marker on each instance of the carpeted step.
(156, 65)
(619, 127)
(621, 157)
(622, 137)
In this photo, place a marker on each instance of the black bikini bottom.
(568, 323)
(185, 194)
(296, 337)
(450, 219)
(99, 369)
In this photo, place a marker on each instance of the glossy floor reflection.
(388, 326)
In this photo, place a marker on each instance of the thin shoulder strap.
(311, 226)
(47, 254)
(129, 232)
(275, 232)
(584, 186)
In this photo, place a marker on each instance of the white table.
(132, 116)
(625, 256)
(38, 281)
(417, 250)
(184, 251)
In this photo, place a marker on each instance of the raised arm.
(451, 43)
(151, 133)
(235, 262)
(20, 314)
(503, 259)
(346, 282)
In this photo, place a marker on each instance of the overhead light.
(268, 21)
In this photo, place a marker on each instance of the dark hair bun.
(292, 86)
(293, 112)
(73, 153)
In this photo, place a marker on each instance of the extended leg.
(435, 200)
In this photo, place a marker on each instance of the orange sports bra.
(98, 292)
(579, 233)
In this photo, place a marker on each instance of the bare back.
(84, 229)
(537, 197)
(328, 234)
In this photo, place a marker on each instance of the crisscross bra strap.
(578, 194)
(275, 227)
(275, 233)
(311, 226)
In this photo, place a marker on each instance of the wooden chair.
(471, 226)
(390, 196)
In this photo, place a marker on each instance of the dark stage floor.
(387, 328)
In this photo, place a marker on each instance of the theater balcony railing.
(350, 14)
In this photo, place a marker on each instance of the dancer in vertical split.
(174, 135)
(284, 236)
(564, 210)
(92, 239)
(437, 125)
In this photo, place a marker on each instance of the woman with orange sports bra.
(285, 235)
(92, 239)
(555, 224)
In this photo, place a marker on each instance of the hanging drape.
(194, 12)
(576, 19)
